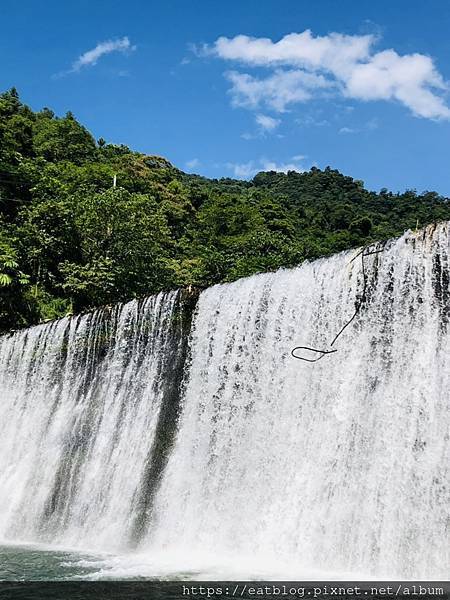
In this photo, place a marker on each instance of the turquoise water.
(39, 563)
(25, 563)
(33, 572)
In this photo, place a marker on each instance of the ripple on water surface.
(34, 563)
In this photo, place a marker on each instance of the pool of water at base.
(37, 562)
(32, 562)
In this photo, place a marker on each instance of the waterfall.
(341, 465)
(133, 428)
(81, 402)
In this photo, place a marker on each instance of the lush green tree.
(15, 309)
(62, 139)
(124, 244)
(69, 241)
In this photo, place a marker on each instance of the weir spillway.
(179, 426)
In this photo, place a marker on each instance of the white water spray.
(80, 403)
(340, 466)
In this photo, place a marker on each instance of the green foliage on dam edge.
(70, 242)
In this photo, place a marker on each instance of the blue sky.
(230, 88)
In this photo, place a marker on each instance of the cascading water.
(341, 465)
(81, 401)
(275, 465)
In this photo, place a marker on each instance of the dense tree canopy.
(70, 242)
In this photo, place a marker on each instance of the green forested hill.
(69, 241)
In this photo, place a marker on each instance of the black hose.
(322, 353)
(359, 303)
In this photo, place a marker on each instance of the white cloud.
(250, 169)
(334, 52)
(193, 163)
(91, 57)
(411, 79)
(243, 170)
(277, 91)
(303, 66)
(282, 167)
(266, 122)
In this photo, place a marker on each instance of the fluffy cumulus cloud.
(302, 66)
(251, 168)
(91, 57)
(277, 91)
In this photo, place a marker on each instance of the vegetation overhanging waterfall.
(185, 428)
